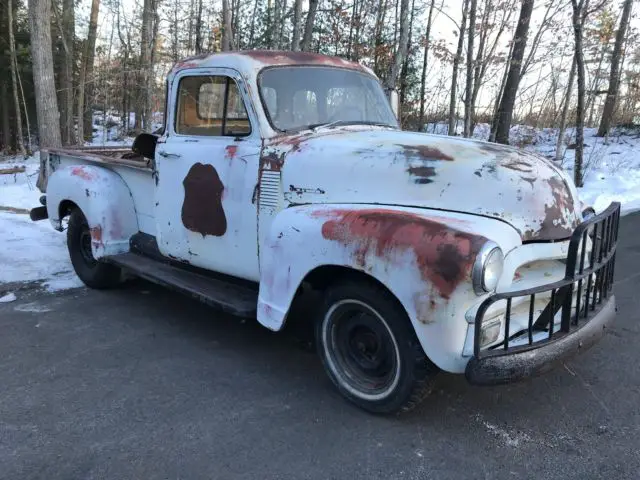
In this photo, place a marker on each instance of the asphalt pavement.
(143, 383)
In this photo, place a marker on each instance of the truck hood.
(370, 165)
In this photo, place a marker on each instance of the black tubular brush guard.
(581, 325)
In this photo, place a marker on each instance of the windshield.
(305, 97)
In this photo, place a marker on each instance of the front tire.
(370, 350)
(92, 272)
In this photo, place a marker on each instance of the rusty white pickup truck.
(278, 171)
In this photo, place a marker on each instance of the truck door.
(207, 168)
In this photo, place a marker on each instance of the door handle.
(164, 154)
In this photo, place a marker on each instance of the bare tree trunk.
(468, 99)
(454, 74)
(43, 79)
(355, 55)
(614, 77)
(198, 28)
(392, 80)
(404, 73)
(89, 81)
(423, 77)
(253, 24)
(496, 106)
(352, 22)
(503, 116)
(565, 110)
(86, 72)
(67, 32)
(145, 65)
(6, 132)
(227, 34)
(14, 82)
(295, 37)
(308, 26)
(579, 10)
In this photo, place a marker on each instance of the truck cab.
(277, 171)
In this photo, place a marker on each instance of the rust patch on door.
(202, 210)
(230, 151)
(444, 255)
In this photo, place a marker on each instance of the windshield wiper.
(336, 123)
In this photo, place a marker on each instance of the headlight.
(487, 268)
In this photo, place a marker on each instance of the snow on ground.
(34, 251)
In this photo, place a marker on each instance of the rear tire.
(92, 272)
(370, 350)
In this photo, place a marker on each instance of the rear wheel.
(92, 272)
(370, 351)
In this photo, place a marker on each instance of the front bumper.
(512, 367)
(575, 314)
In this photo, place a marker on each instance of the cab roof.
(250, 62)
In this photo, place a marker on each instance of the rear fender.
(424, 257)
(105, 201)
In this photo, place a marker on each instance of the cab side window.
(211, 106)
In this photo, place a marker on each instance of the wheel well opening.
(65, 208)
(307, 300)
(321, 277)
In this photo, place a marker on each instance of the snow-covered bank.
(18, 190)
(611, 165)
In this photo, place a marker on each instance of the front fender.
(424, 257)
(105, 201)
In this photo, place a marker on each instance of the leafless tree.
(85, 90)
(453, 98)
(423, 77)
(48, 115)
(579, 16)
(308, 26)
(468, 100)
(504, 114)
(297, 13)
(565, 110)
(614, 77)
(14, 81)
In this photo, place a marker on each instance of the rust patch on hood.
(555, 225)
(425, 152)
(202, 210)
(423, 174)
(518, 165)
(444, 255)
(425, 157)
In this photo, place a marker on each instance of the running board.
(230, 297)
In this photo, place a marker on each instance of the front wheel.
(92, 272)
(370, 350)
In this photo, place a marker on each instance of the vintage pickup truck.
(278, 171)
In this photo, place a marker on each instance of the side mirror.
(394, 101)
(145, 145)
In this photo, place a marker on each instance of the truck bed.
(117, 156)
